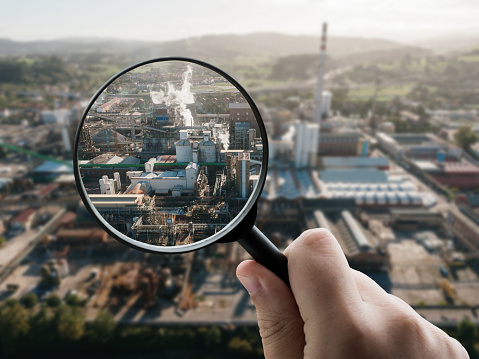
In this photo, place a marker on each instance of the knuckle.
(271, 329)
(315, 240)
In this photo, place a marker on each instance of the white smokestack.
(319, 88)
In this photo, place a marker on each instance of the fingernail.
(251, 284)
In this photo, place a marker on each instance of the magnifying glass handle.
(265, 252)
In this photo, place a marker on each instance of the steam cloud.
(178, 99)
(223, 134)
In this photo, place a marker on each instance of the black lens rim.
(220, 236)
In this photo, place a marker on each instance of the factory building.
(243, 182)
(242, 136)
(306, 144)
(161, 114)
(110, 186)
(207, 149)
(461, 175)
(340, 142)
(241, 112)
(184, 148)
(104, 159)
(417, 146)
(188, 150)
(243, 126)
(163, 182)
(370, 187)
(109, 106)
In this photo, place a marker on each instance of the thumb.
(280, 323)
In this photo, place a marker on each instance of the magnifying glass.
(171, 156)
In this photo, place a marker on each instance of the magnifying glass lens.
(169, 154)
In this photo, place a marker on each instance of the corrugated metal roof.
(355, 162)
(354, 175)
(53, 167)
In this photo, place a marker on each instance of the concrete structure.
(306, 144)
(326, 103)
(110, 186)
(102, 201)
(243, 183)
(57, 116)
(184, 149)
(207, 149)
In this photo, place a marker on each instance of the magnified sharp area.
(170, 153)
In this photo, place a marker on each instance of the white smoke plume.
(178, 99)
(223, 134)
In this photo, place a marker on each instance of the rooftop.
(240, 105)
(355, 162)
(354, 176)
(53, 167)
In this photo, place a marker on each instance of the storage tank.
(207, 148)
(184, 152)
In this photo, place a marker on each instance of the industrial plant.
(169, 155)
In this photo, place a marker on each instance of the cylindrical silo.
(207, 148)
(184, 152)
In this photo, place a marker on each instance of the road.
(24, 244)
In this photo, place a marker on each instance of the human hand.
(333, 311)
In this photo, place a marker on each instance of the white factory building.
(368, 187)
(306, 144)
(192, 151)
(163, 182)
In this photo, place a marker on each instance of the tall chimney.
(319, 88)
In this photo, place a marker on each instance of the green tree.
(240, 345)
(3, 153)
(467, 333)
(29, 300)
(102, 328)
(14, 325)
(42, 331)
(465, 137)
(69, 323)
(75, 300)
(210, 336)
(53, 300)
(2, 240)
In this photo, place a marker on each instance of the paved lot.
(416, 278)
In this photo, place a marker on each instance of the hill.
(218, 47)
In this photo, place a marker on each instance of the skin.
(333, 311)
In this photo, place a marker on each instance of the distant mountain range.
(219, 47)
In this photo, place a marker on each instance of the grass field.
(469, 58)
(415, 66)
(384, 94)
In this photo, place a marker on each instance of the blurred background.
(373, 129)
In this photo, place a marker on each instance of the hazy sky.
(404, 20)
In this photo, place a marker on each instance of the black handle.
(265, 253)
